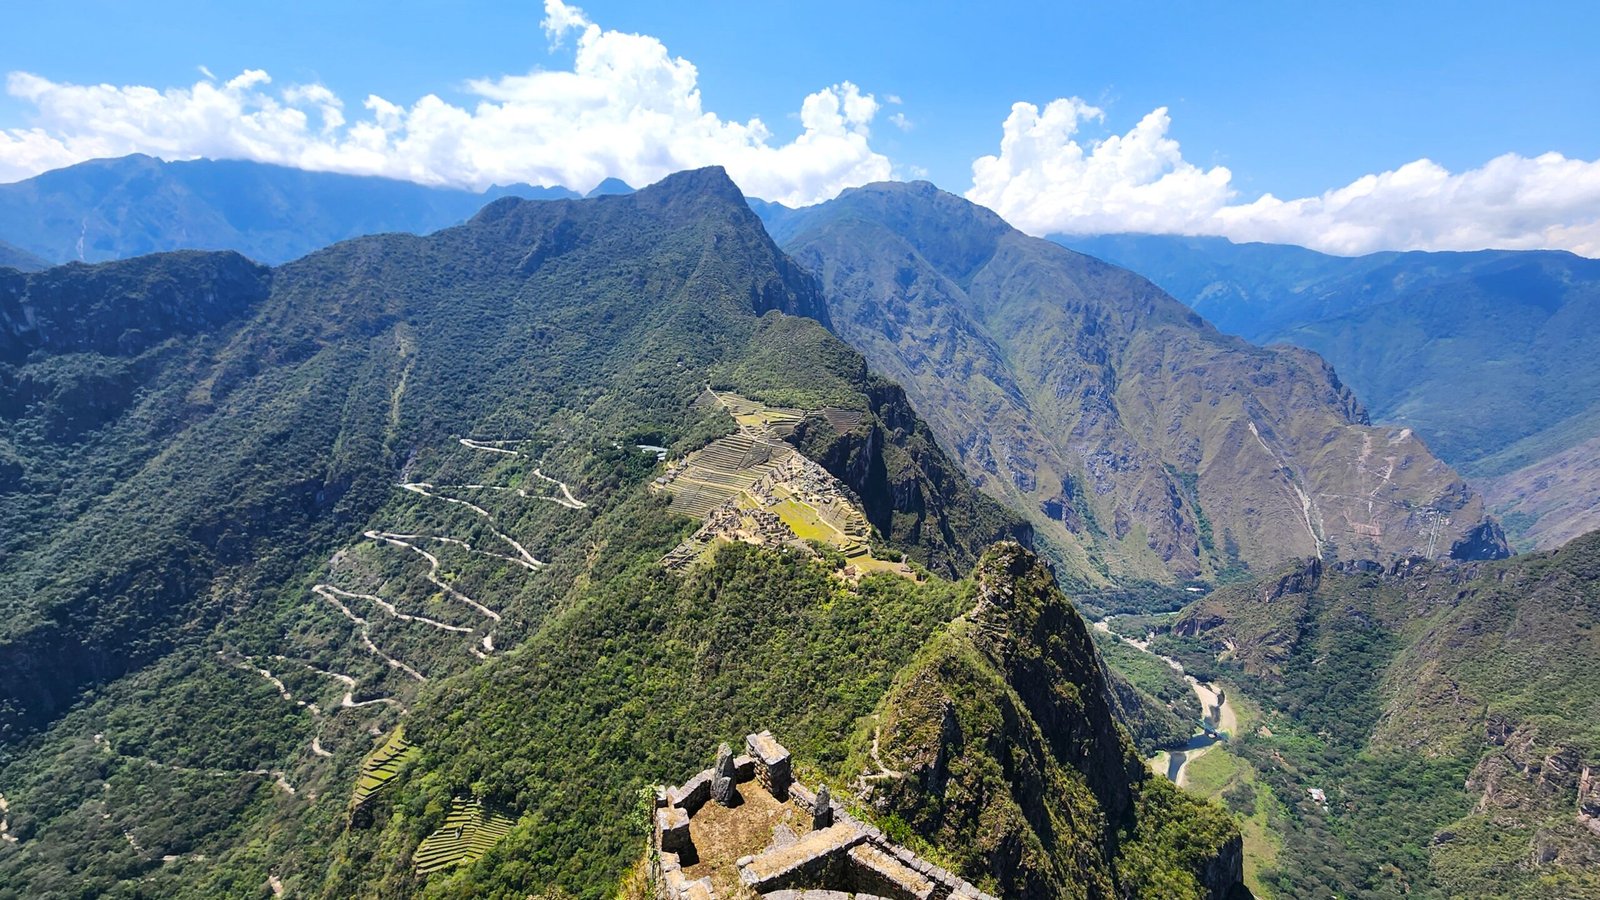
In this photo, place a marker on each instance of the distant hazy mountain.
(117, 208)
(611, 187)
(1142, 441)
(20, 259)
(1490, 356)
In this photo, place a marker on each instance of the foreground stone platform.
(746, 827)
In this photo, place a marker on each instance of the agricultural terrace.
(751, 486)
(468, 833)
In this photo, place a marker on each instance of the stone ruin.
(807, 846)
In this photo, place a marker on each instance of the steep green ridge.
(1488, 355)
(108, 209)
(999, 742)
(396, 482)
(1450, 713)
(12, 257)
(1141, 442)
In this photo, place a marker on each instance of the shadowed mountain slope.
(12, 257)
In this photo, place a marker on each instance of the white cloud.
(626, 108)
(900, 121)
(1046, 180)
(560, 18)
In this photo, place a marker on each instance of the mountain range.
(408, 563)
(116, 208)
(1487, 355)
(1140, 441)
(356, 576)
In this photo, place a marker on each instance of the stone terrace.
(746, 829)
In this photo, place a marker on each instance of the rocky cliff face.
(1541, 795)
(1140, 440)
(999, 744)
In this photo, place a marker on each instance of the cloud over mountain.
(1046, 179)
(626, 108)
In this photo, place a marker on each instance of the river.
(1220, 719)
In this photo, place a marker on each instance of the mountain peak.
(610, 187)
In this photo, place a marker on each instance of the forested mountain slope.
(1001, 743)
(256, 519)
(108, 209)
(1450, 713)
(1488, 355)
(1141, 441)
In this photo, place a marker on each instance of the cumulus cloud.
(626, 108)
(1047, 179)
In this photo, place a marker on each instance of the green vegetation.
(215, 581)
(467, 834)
(998, 744)
(1425, 707)
(1157, 705)
(1142, 444)
(1488, 355)
(379, 769)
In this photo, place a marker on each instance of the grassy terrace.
(721, 470)
(468, 833)
(379, 769)
(756, 471)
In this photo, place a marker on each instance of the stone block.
(772, 763)
(694, 793)
(672, 825)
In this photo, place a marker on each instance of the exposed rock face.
(1522, 782)
(1487, 541)
(1140, 440)
(1589, 799)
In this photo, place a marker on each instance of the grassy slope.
(1488, 355)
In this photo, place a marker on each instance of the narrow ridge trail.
(884, 773)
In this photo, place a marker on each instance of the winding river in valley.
(1220, 721)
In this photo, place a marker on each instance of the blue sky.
(1292, 99)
